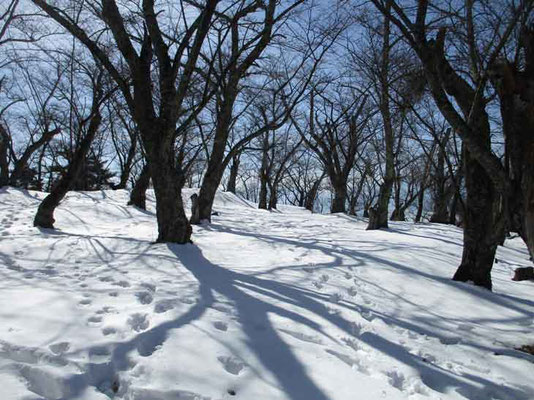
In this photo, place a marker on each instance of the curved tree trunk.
(138, 193)
(22, 162)
(482, 227)
(45, 213)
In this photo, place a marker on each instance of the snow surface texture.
(264, 306)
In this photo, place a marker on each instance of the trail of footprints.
(360, 353)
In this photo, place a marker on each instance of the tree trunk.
(312, 194)
(45, 213)
(273, 197)
(234, 169)
(340, 195)
(440, 212)
(264, 173)
(173, 225)
(4, 159)
(420, 203)
(207, 193)
(514, 88)
(481, 227)
(138, 193)
(378, 216)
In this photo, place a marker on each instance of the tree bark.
(173, 225)
(138, 193)
(378, 217)
(481, 228)
(420, 203)
(340, 196)
(273, 197)
(4, 158)
(514, 88)
(440, 212)
(234, 169)
(264, 173)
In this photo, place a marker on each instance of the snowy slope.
(264, 306)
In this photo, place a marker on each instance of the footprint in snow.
(106, 310)
(138, 322)
(222, 326)
(94, 320)
(85, 302)
(351, 291)
(396, 379)
(335, 298)
(108, 331)
(232, 365)
(164, 306)
(123, 284)
(318, 285)
(144, 297)
(325, 278)
(59, 348)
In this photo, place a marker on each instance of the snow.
(264, 306)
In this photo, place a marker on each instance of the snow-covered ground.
(263, 306)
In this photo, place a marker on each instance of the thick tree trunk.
(514, 88)
(440, 213)
(483, 222)
(207, 193)
(482, 230)
(138, 193)
(4, 159)
(273, 197)
(234, 169)
(45, 213)
(340, 195)
(262, 196)
(173, 225)
(378, 215)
